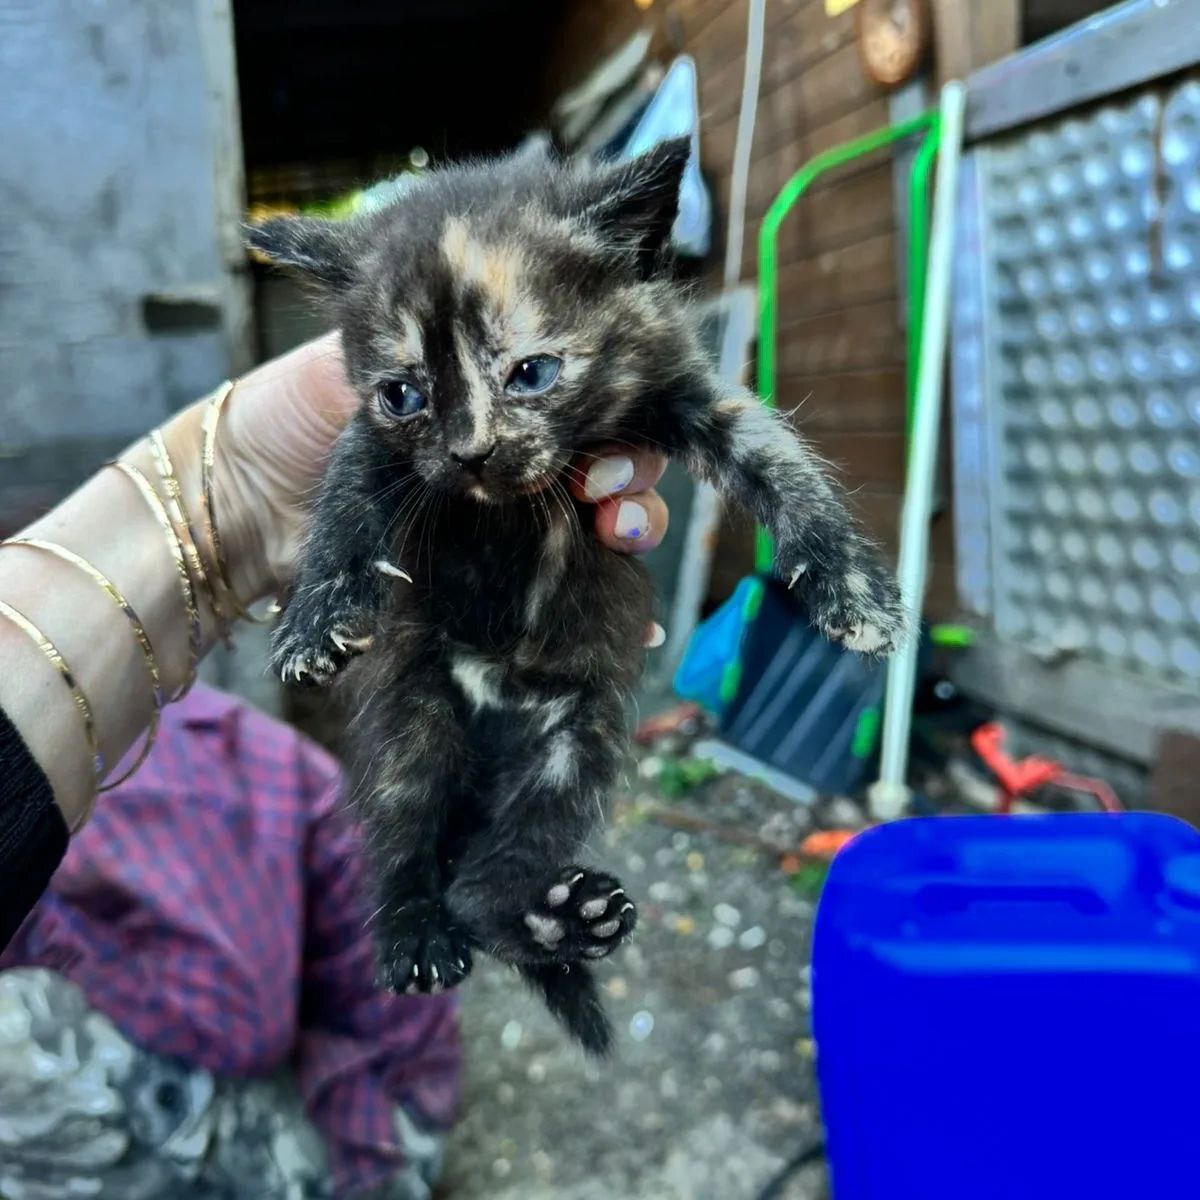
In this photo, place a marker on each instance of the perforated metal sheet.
(1089, 233)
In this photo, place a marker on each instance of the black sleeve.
(33, 834)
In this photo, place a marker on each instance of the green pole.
(768, 271)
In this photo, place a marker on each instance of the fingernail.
(608, 475)
(633, 521)
(658, 635)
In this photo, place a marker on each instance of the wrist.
(106, 523)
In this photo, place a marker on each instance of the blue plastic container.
(1009, 1009)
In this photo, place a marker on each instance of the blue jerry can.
(1009, 1009)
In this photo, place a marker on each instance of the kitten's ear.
(639, 200)
(320, 249)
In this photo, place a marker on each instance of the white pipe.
(744, 142)
(705, 519)
(890, 794)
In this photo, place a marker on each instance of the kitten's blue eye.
(532, 376)
(401, 399)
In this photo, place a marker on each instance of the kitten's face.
(497, 319)
(478, 349)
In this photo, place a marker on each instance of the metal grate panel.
(1090, 238)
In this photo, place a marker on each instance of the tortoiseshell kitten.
(496, 319)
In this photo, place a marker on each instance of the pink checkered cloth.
(214, 910)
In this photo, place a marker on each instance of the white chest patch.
(478, 678)
(560, 764)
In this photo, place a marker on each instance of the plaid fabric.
(214, 910)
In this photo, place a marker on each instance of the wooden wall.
(841, 342)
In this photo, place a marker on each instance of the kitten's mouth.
(491, 493)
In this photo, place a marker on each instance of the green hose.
(768, 267)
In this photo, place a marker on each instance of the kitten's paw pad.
(584, 914)
(312, 647)
(421, 949)
(865, 614)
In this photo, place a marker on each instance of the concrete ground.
(711, 1090)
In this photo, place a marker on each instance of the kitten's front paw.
(317, 636)
(583, 914)
(421, 948)
(862, 609)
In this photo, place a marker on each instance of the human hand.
(631, 517)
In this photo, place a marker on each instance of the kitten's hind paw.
(862, 609)
(421, 949)
(583, 914)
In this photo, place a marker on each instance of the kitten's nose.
(472, 460)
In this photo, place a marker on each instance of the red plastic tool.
(1019, 777)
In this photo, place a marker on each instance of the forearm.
(110, 524)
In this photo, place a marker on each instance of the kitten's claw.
(867, 639)
(307, 667)
(863, 611)
(314, 641)
(421, 949)
(347, 642)
(389, 568)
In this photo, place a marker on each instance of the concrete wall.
(123, 286)
(120, 187)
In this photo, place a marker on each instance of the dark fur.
(489, 713)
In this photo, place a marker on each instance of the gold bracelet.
(186, 585)
(208, 459)
(50, 650)
(139, 632)
(186, 531)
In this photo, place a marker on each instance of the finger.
(289, 412)
(656, 636)
(615, 471)
(632, 524)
